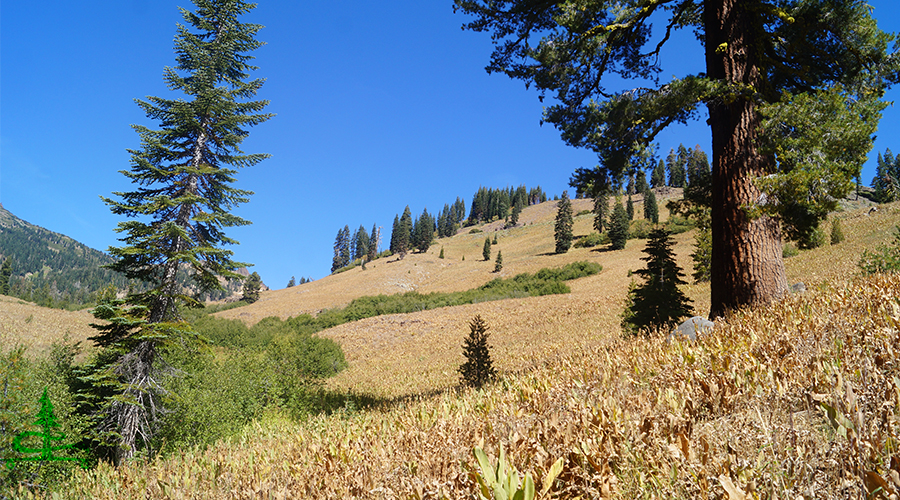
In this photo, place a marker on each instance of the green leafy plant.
(885, 259)
(501, 482)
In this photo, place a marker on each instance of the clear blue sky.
(379, 105)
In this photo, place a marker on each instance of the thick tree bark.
(747, 265)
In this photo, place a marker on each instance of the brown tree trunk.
(747, 265)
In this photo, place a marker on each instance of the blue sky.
(379, 105)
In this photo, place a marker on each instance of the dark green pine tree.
(478, 368)
(337, 261)
(562, 230)
(374, 238)
(498, 264)
(887, 178)
(5, 275)
(184, 200)
(516, 211)
(395, 234)
(292, 282)
(360, 243)
(404, 233)
(640, 182)
(658, 176)
(423, 232)
(601, 211)
(658, 302)
(346, 245)
(486, 250)
(618, 226)
(676, 164)
(629, 208)
(252, 286)
(651, 207)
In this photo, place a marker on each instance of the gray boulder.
(691, 328)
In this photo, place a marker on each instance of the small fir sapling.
(478, 368)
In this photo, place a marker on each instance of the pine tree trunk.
(747, 265)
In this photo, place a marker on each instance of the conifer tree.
(292, 282)
(640, 182)
(651, 208)
(423, 232)
(441, 256)
(658, 177)
(183, 202)
(601, 210)
(702, 255)
(337, 261)
(618, 226)
(5, 275)
(514, 216)
(486, 250)
(629, 208)
(252, 286)
(360, 243)
(395, 235)
(374, 240)
(562, 230)
(404, 232)
(498, 264)
(658, 302)
(478, 368)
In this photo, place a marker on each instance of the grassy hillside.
(800, 399)
(797, 399)
(35, 327)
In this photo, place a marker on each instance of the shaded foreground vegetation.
(799, 398)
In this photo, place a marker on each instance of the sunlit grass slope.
(796, 400)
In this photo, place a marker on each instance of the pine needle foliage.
(658, 302)
(178, 214)
(564, 222)
(478, 368)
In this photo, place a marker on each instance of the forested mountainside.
(49, 268)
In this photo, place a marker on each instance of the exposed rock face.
(691, 328)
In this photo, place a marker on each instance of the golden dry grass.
(800, 399)
(37, 328)
(797, 400)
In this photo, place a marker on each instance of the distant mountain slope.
(50, 268)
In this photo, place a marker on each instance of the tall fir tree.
(498, 263)
(184, 199)
(404, 233)
(423, 232)
(346, 245)
(651, 208)
(395, 235)
(252, 286)
(292, 282)
(374, 240)
(486, 249)
(887, 178)
(658, 177)
(5, 276)
(629, 208)
(618, 226)
(562, 230)
(658, 302)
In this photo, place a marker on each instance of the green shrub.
(678, 224)
(885, 259)
(837, 234)
(592, 240)
(640, 229)
(475, 230)
(583, 212)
